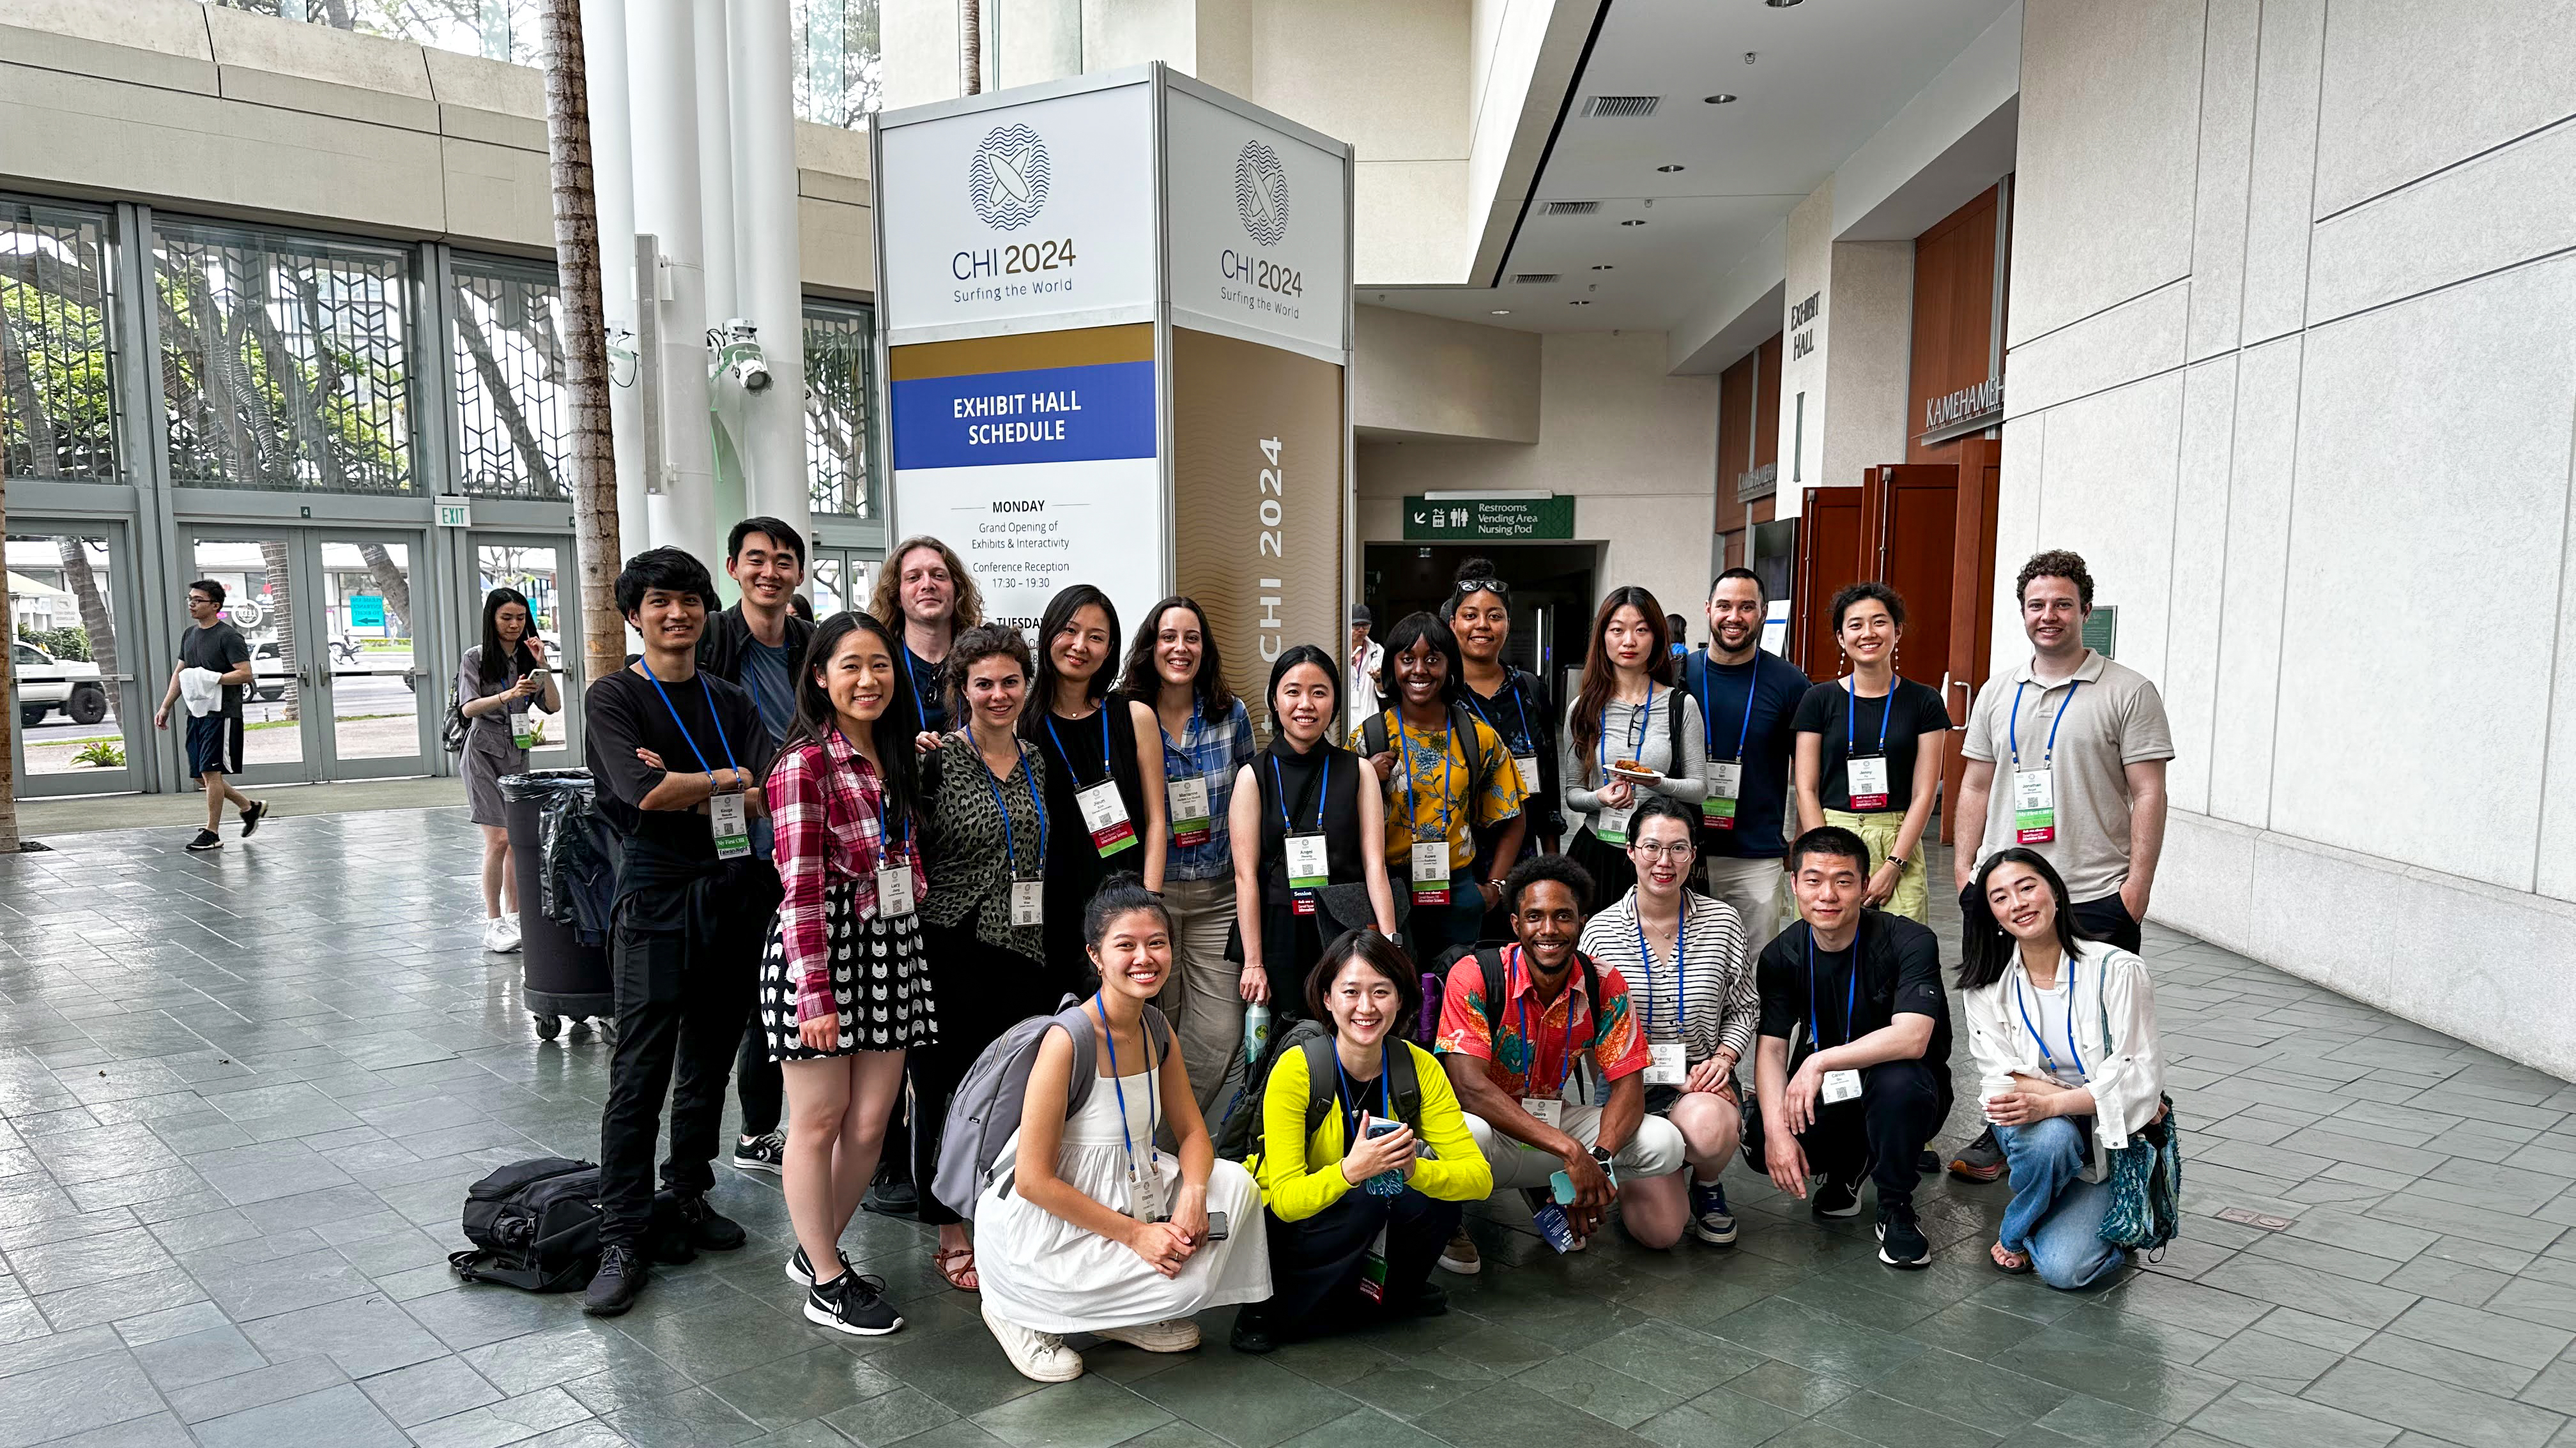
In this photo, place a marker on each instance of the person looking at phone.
(1628, 733)
(1544, 1050)
(1853, 1069)
(500, 684)
(1364, 1155)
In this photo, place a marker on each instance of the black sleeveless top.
(1074, 867)
(1302, 776)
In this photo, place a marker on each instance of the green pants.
(1911, 899)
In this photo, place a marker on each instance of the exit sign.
(455, 512)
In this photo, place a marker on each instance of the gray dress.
(491, 751)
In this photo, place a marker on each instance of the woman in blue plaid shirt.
(1173, 669)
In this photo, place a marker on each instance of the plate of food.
(1634, 770)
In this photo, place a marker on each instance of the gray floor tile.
(439, 1388)
(2445, 1410)
(338, 1417)
(2260, 1418)
(74, 1397)
(198, 1357)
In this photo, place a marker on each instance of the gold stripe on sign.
(1027, 352)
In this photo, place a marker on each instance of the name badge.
(2034, 807)
(1717, 808)
(523, 729)
(729, 816)
(1840, 1086)
(1431, 873)
(1665, 1065)
(1549, 1112)
(1867, 780)
(1527, 764)
(1307, 872)
(1105, 815)
(1145, 1194)
(1373, 1269)
(1028, 902)
(1613, 826)
(1189, 810)
(894, 892)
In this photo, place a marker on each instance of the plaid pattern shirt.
(825, 805)
(1212, 750)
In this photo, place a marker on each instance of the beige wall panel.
(319, 53)
(2226, 163)
(2500, 209)
(2285, 156)
(141, 61)
(1391, 79)
(1870, 312)
(838, 246)
(498, 195)
(2197, 597)
(2108, 493)
(326, 98)
(175, 28)
(489, 85)
(1435, 378)
(2409, 88)
(2108, 349)
(1409, 224)
(2258, 550)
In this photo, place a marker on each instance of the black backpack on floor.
(534, 1226)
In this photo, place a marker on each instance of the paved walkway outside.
(243, 1095)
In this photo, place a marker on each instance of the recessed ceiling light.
(1779, 4)
(1578, 303)
(1720, 99)
(1501, 312)
(1634, 221)
(1668, 170)
(1603, 266)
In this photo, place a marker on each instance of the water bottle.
(1256, 1032)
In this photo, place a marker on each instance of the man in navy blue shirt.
(1746, 699)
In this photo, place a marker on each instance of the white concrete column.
(724, 274)
(612, 161)
(661, 48)
(772, 293)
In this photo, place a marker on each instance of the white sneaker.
(1172, 1334)
(1040, 1356)
(510, 928)
(498, 937)
(1460, 1255)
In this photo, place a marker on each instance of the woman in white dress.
(1096, 1229)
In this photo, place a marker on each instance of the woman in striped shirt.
(1685, 959)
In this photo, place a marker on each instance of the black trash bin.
(556, 833)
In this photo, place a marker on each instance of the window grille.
(840, 423)
(511, 431)
(57, 412)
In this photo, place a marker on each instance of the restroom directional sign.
(1479, 520)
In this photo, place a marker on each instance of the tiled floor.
(243, 1095)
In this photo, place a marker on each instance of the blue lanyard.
(912, 677)
(1010, 845)
(1103, 712)
(1412, 810)
(1681, 966)
(1350, 1093)
(2024, 1007)
(1565, 1046)
(2013, 725)
(1285, 826)
(1851, 718)
(1526, 739)
(1851, 995)
(1752, 686)
(721, 741)
(891, 846)
(1637, 741)
(1153, 1154)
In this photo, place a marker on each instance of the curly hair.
(887, 600)
(975, 645)
(2063, 563)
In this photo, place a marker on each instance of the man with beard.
(1747, 700)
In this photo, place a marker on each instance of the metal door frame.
(429, 699)
(134, 698)
(565, 659)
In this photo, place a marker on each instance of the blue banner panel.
(1048, 415)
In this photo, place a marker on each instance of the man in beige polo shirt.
(2080, 745)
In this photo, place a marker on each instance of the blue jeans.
(2054, 1217)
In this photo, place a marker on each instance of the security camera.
(737, 354)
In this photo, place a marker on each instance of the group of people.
(859, 852)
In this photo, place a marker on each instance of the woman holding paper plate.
(1099, 751)
(1629, 733)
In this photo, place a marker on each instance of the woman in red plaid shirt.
(843, 990)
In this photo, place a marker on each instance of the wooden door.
(1972, 591)
(1911, 524)
(1830, 554)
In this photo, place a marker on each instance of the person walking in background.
(1869, 750)
(1100, 751)
(985, 835)
(925, 593)
(1515, 705)
(1677, 634)
(2069, 1067)
(844, 987)
(1443, 772)
(214, 668)
(1628, 731)
(1367, 660)
(499, 682)
(2088, 796)
(1206, 742)
(1748, 699)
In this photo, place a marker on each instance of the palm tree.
(594, 464)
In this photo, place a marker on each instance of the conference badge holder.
(523, 729)
(729, 818)
(1527, 765)
(1431, 873)
(1373, 1269)
(1867, 780)
(1188, 799)
(1145, 1193)
(1028, 903)
(1105, 815)
(2034, 807)
(1666, 1065)
(1546, 1112)
(1839, 1087)
(1613, 826)
(1307, 872)
(1717, 809)
(894, 891)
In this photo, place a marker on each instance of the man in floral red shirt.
(1552, 1071)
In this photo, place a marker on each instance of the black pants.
(681, 1003)
(1900, 1110)
(1611, 870)
(2108, 919)
(757, 1082)
(1315, 1264)
(982, 990)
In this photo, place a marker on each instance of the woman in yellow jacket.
(1366, 1169)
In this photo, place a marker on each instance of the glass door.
(541, 569)
(72, 665)
(836, 579)
(264, 594)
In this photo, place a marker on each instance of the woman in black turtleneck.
(1304, 785)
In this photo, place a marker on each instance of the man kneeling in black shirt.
(1853, 1069)
(677, 755)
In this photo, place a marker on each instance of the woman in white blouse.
(1690, 980)
(2064, 1034)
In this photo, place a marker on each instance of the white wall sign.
(1258, 224)
(1037, 210)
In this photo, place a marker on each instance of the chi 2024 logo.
(1261, 193)
(1008, 177)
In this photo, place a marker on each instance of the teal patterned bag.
(2146, 1188)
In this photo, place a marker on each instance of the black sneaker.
(1900, 1242)
(892, 1194)
(800, 1268)
(251, 814)
(614, 1285)
(1252, 1329)
(710, 1230)
(766, 1152)
(1836, 1198)
(1427, 1301)
(853, 1304)
(1981, 1160)
(206, 840)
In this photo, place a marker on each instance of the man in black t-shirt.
(677, 755)
(1853, 1071)
(212, 646)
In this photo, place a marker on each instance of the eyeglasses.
(1679, 851)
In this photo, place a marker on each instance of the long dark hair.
(1601, 677)
(1444, 641)
(1059, 616)
(890, 736)
(1289, 659)
(1381, 955)
(1140, 680)
(1989, 948)
(497, 661)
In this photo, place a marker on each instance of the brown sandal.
(1998, 1253)
(941, 1258)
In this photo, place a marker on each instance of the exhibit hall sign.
(1116, 320)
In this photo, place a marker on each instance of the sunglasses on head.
(1494, 586)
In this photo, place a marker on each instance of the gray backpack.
(985, 1113)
